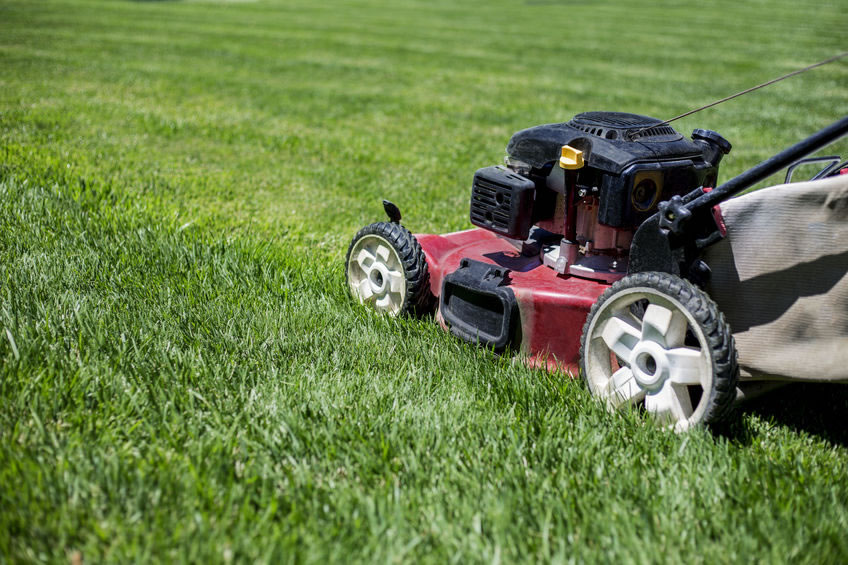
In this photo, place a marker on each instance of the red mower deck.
(552, 307)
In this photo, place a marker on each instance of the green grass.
(182, 376)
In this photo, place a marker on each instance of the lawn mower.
(604, 247)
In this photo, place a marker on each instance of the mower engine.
(583, 219)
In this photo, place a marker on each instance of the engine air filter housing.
(502, 201)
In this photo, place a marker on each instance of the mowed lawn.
(182, 374)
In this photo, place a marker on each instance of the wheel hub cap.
(650, 365)
(378, 276)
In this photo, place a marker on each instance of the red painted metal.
(553, 307)
(719, 219)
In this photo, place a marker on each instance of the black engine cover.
(610, 141)
(632, 162)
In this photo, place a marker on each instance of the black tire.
(652, 376)
(415, 297)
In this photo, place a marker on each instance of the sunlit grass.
(182, 375)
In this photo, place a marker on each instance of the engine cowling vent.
(624, 127)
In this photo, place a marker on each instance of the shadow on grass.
(819, 409)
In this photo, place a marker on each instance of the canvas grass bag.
(781, 279)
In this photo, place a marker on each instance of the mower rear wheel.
(387, 270)
(657, 340)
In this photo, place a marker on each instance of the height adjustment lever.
(673, 214)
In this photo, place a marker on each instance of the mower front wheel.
(656, 340)
(386, 269)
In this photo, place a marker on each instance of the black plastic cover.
(502, 201)
(619, 205)
(610, 141)
(478, 305)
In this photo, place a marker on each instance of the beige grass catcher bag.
(781, 279)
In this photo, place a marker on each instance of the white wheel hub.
(376, 275)
(649, 364)
(630, 360)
